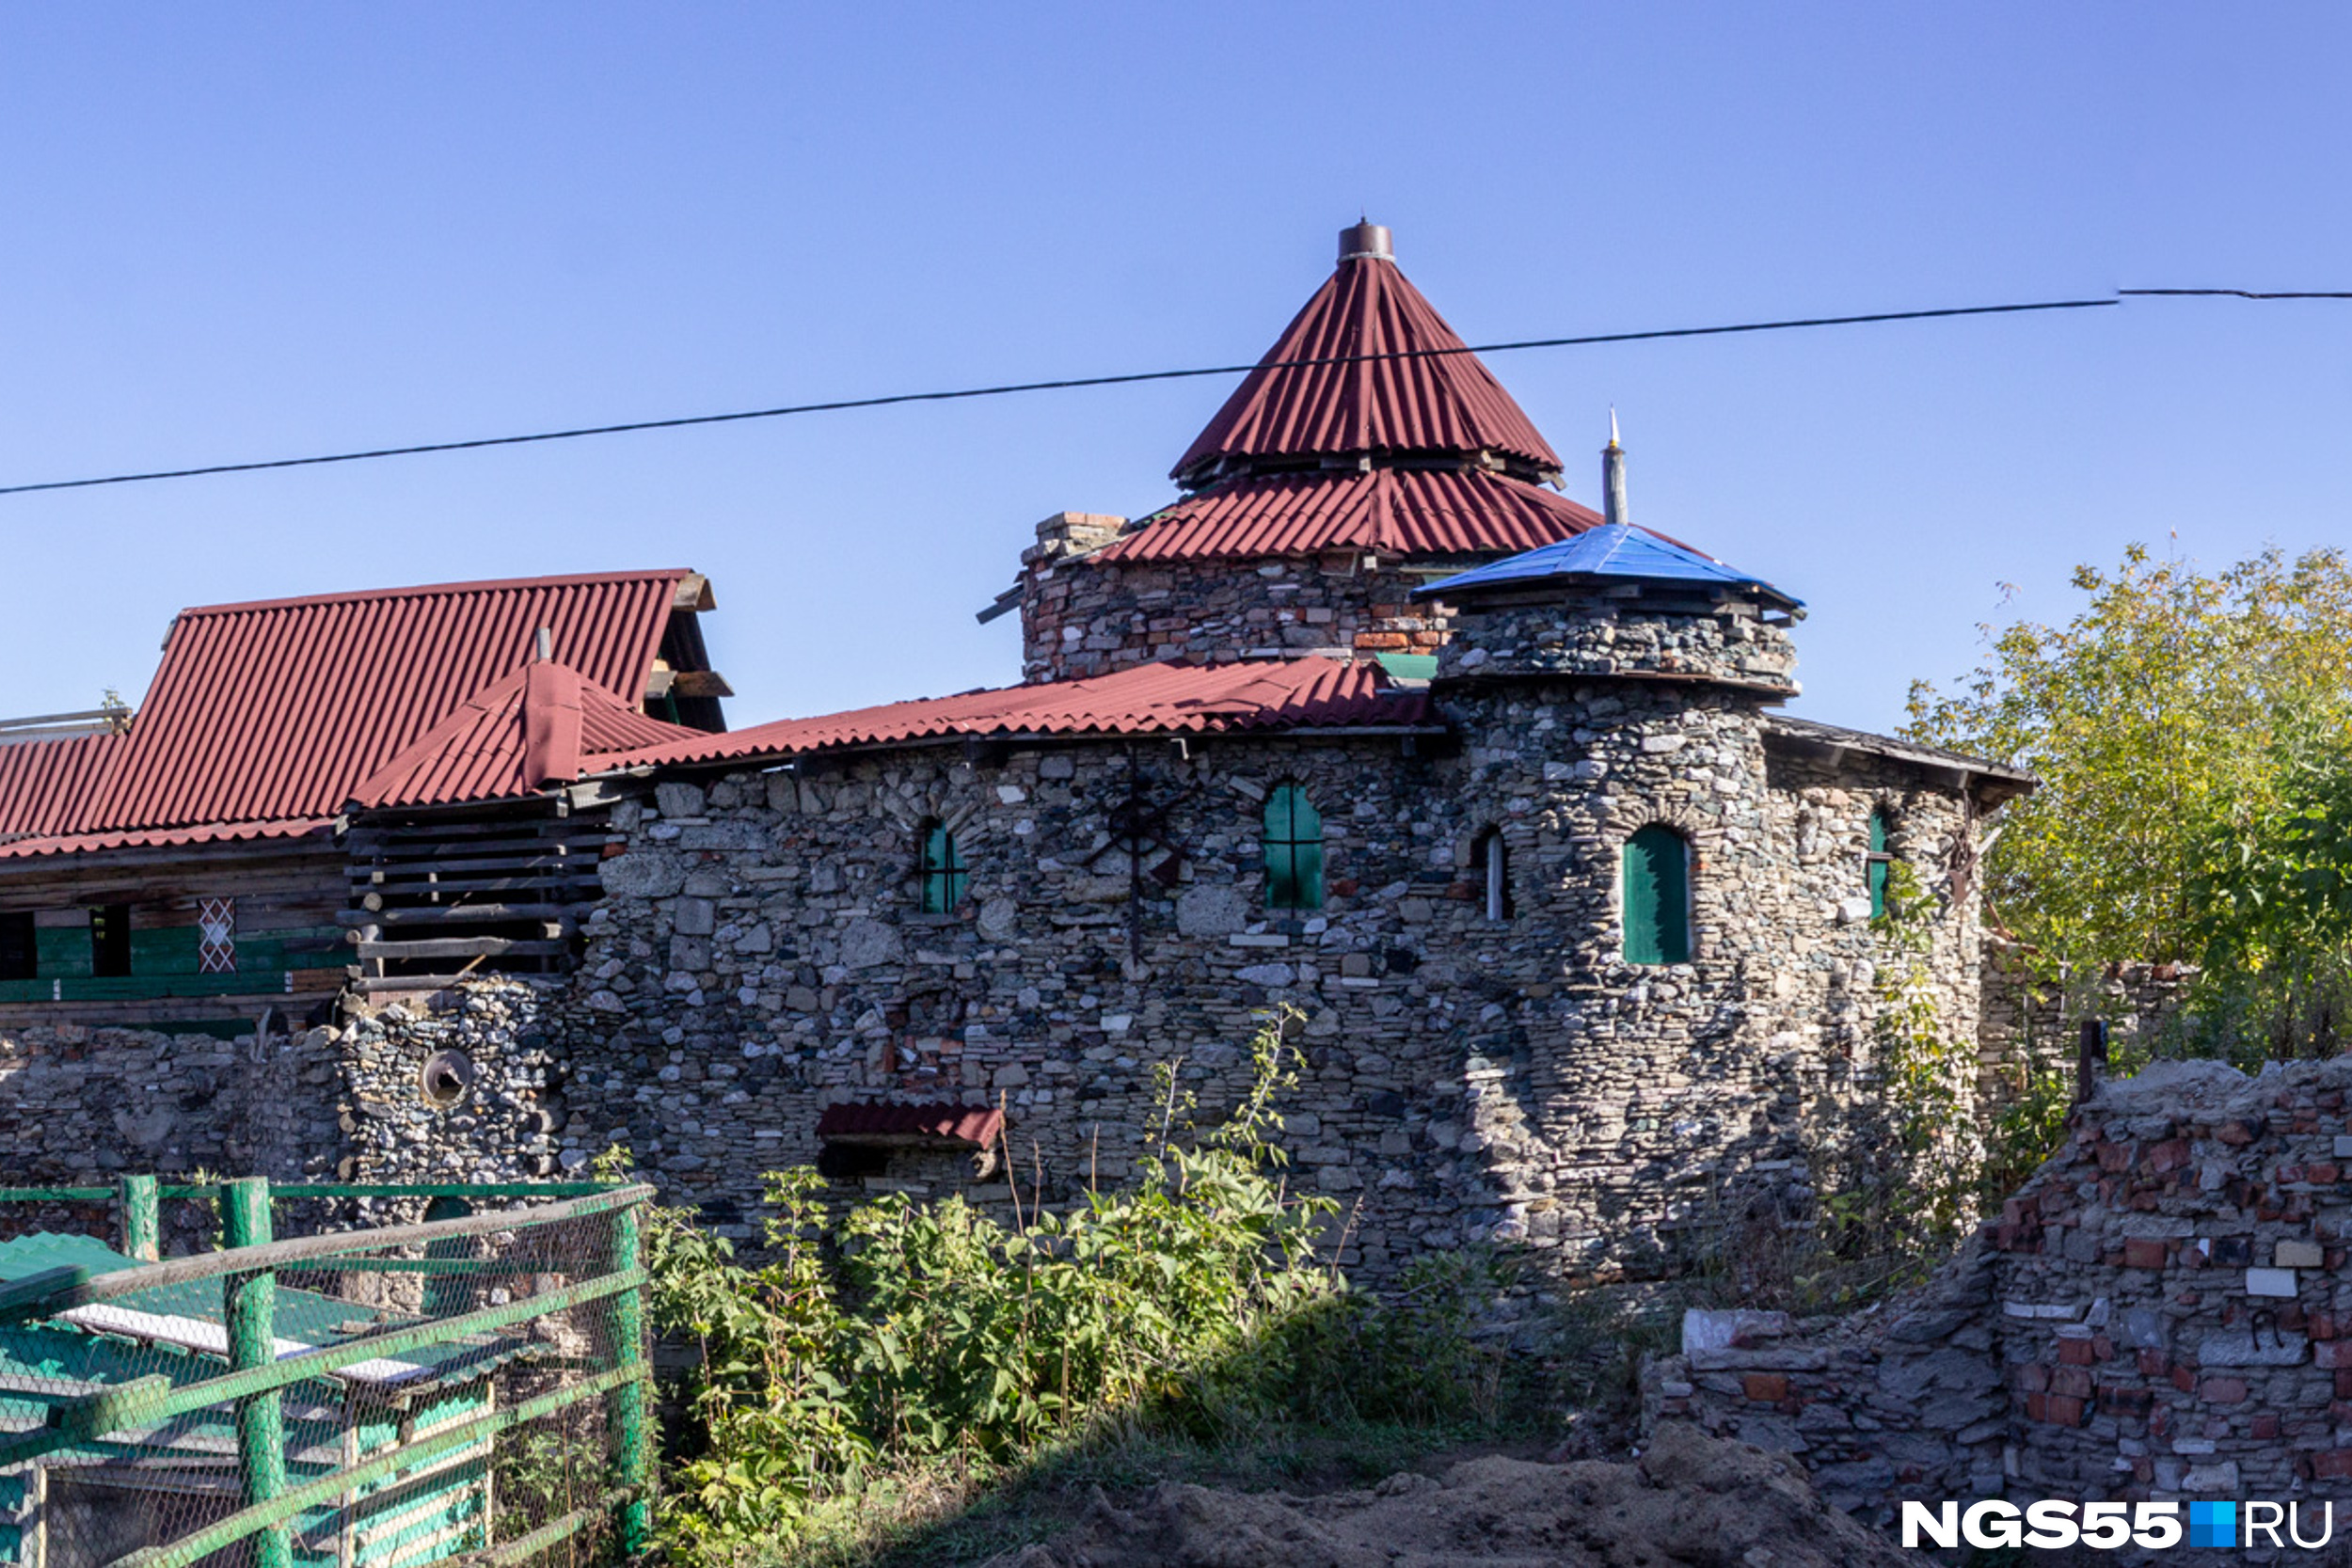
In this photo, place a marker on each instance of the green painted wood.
(1878, 864)
(188, 1397)
(626, 1413)
(249, 1307)
(1657, 897)
(62, 950)
(1293, 850)
(256, 1518)
(524, 1547)
(141, 1233)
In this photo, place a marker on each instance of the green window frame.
(1293, 850)
(946, 878)
(1881, 858)
(1657, 900)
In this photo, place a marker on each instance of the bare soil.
(1689, 1501)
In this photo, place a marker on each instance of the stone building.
(1370, 722)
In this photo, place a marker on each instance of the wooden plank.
(441, 832)
(447, 914)
(694, 596)
(376, 893)
(464, 947)
(510, 863)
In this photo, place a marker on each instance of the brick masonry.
(2162, 1311)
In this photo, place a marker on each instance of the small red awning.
(971, 1124)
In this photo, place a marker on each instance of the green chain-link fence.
(382, 1397)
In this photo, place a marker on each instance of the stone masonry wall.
(2164, 1312)
(2025, 1024)
(759, 956)
(1081, 617)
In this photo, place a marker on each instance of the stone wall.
(2164, 1307)
(1081, 617)
(759, 956)
(2026, 1025)
(1568, 633)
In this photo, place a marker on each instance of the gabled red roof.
(44, 783)
(265, 717)
(513, 737)
(1418, 512)
(1428, 402)
(1301, 693)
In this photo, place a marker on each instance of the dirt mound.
(1692, 1500)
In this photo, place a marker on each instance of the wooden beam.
(700, 683)
(465, 947)
(452, 914)
(693, 595)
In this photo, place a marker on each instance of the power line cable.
(2234, 293)
(1063, 384)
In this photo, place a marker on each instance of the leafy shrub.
(1192, 1301)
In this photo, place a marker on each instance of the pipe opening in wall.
(447, 1076)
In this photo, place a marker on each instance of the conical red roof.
(1432, 402)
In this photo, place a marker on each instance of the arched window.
(1293, 850)
(1879, 861)
(1492, 863)
(944, 876)
(1657, 897)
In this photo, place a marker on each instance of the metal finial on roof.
(1612, 505)
(1366, 241)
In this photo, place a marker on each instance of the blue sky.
(242, 231)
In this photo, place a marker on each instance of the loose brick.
(2143, 1252)
(1766, 1387)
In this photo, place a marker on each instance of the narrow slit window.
(944, 874)
(20, 950)
(1879, 860)
(1293, 850)
(1494, 870)
(1657, 897)
(110, 940)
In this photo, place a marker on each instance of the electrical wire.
(1063, 384)
(2234, 293)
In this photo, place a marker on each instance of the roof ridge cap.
(484, 585)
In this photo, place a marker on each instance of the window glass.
(1494, 866)
(944, 876)
(110, 940)
(1880, 859)
(20, 953)
(1293, 850)
(1657, 897)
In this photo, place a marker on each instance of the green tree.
(2156, 719)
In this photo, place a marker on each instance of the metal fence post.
(627, 1410)
(250, 1303)
(142, 1237)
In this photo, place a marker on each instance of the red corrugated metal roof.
(1147, 699)
(149, 838)
(513, 737)
(276, 709)
(971, 1124)
(1417, 512)
(44, 783)
(1432, 403)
